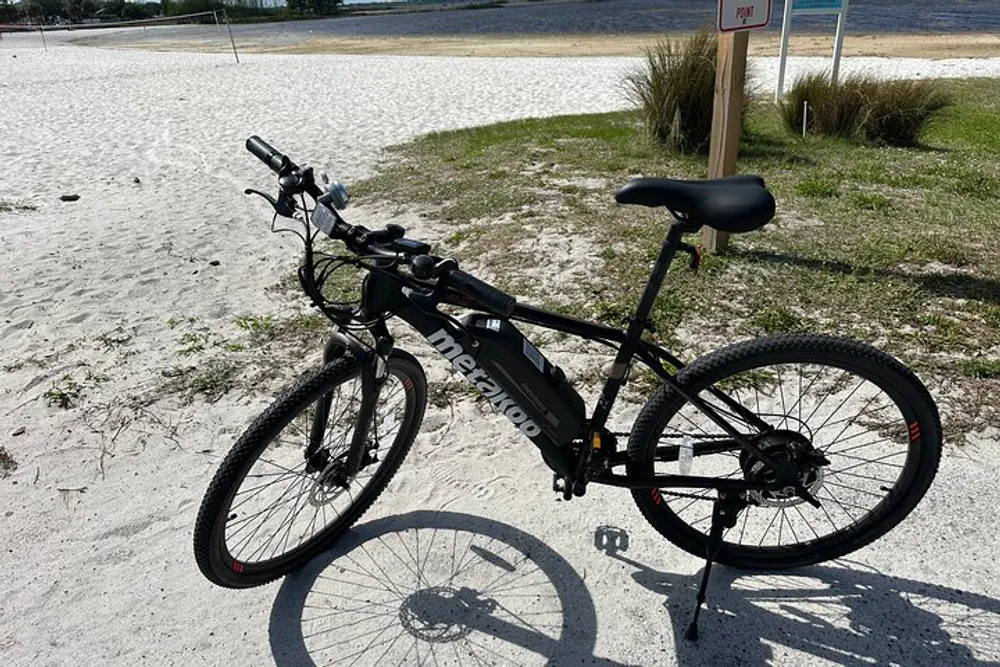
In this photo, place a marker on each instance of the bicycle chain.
(678, 494)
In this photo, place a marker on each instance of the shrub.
(858, 106)
(834, 110)
(898, 114)
(675, 90)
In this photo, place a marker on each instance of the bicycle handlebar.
(362, 241)
(481, 292)
(269, 155)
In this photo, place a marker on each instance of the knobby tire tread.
(902, 380)
(289, 403)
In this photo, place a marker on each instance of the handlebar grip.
(484, 293)
(267, 154)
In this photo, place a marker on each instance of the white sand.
(102, 572)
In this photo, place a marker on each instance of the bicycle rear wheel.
(841, 401)
(268, 510)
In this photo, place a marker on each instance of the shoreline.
(890, 45)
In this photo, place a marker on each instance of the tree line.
(77, 11)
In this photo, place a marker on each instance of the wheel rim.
(279, 506)
(844, 413)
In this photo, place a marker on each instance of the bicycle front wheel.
(867, 425)
(269, 509)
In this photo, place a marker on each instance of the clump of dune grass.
(674, 91)
(893, 113)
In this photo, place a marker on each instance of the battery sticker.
(534, 356)
(493, 325)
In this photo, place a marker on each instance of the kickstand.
(725, 511)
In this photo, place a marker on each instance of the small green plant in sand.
(65, 394)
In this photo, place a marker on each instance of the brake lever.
(269, 198)
(284, 205)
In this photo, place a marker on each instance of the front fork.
(374, 371)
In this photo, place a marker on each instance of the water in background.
(601, 17)
(630, 16)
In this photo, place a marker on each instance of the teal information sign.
(819, 4)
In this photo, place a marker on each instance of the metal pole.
(838, 44)
(42, 32)
(786, 33)
(215, 13)
(805, 117)
(225, 15)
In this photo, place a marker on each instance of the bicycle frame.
(384, 293)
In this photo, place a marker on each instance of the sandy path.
(97, 569)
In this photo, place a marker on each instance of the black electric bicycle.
(807, 447)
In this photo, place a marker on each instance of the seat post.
(668, 250)
(640, 321)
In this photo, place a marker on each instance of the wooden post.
(727, 121)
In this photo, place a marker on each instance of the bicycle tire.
(211, 549)
(921, 433)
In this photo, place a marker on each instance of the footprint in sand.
(18, 326)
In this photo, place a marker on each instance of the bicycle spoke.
(280, 505)
(768, 529)
(837, 409)
(851, 419)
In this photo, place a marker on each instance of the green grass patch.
(114, 339)
(900, 246)
(981, 368)
(871, 201)
(779, 320)
(817, 188)
(262, 327)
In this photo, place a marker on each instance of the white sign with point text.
(743, 14)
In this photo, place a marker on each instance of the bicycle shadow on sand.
(435, 588)
(846, 613)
